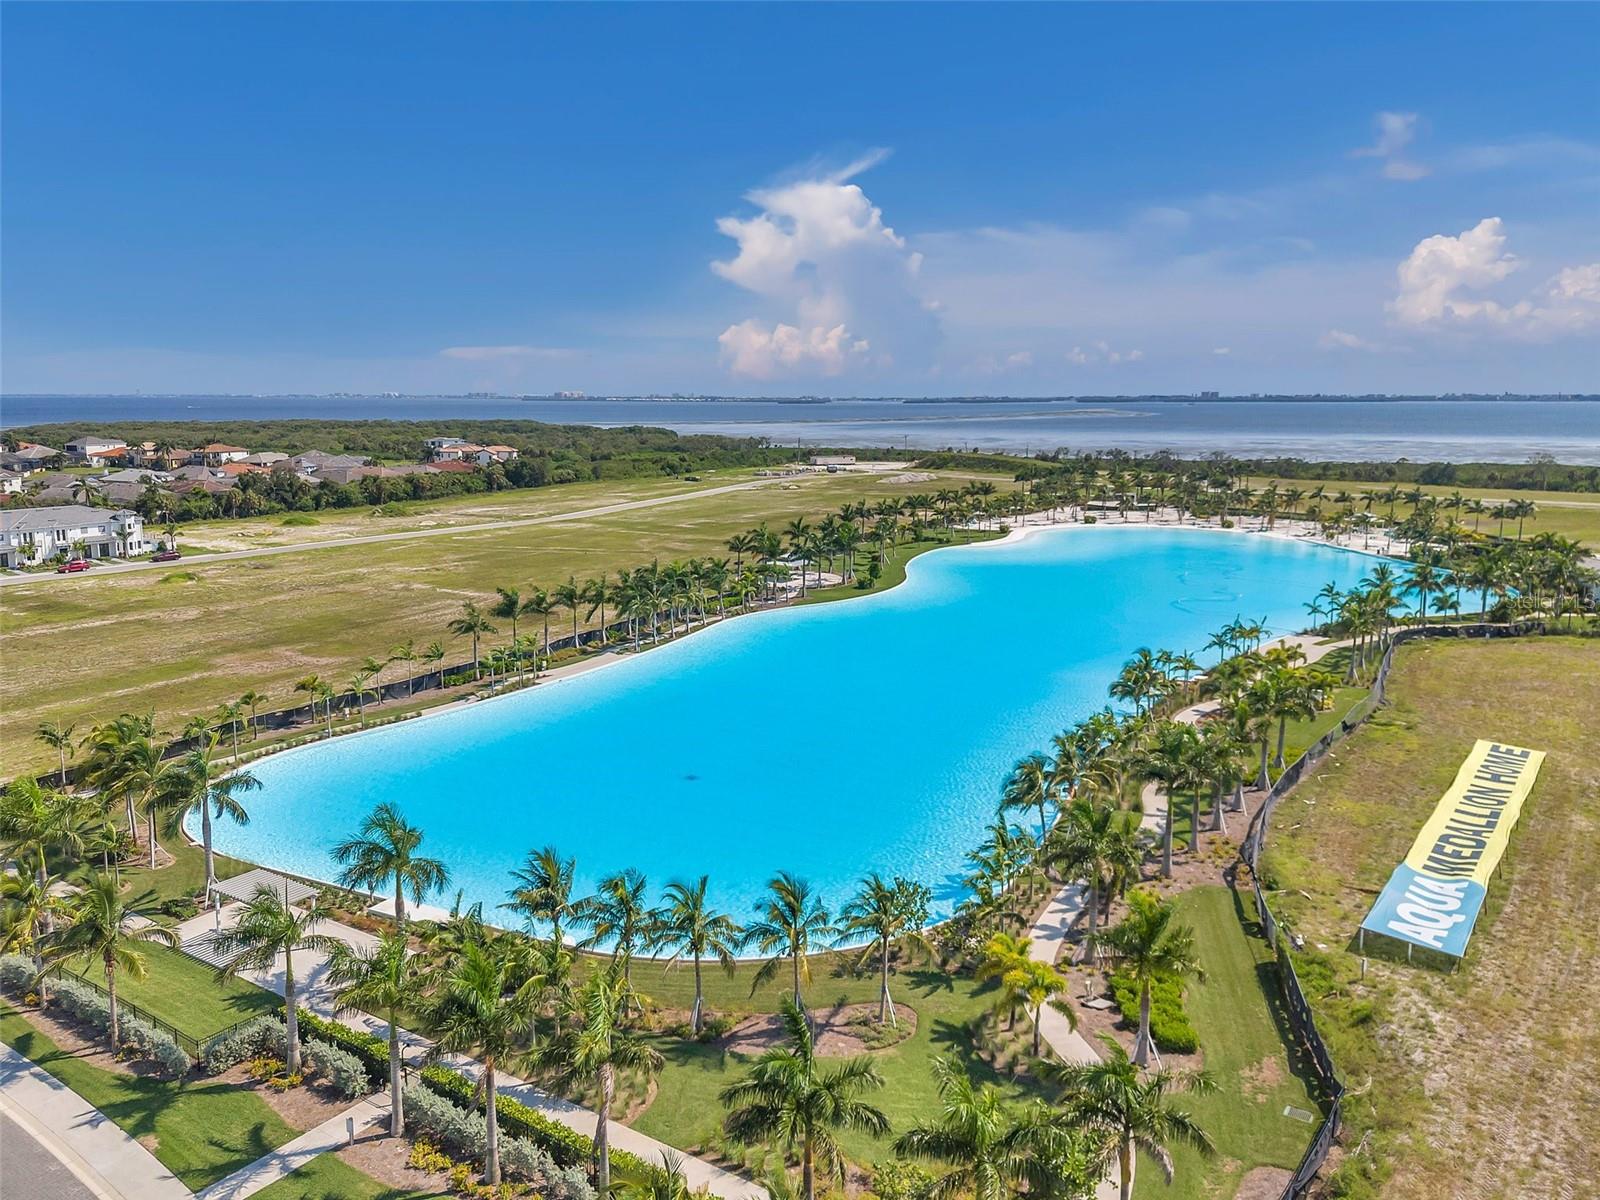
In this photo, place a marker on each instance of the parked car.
(73, 567)
(166, 556)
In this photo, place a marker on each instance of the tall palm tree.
(1095, 842)
(1151, 947)
(1113, 1098)
(616, 913)
(267, 927)
(789, 1097)
(484, 1008)
(686, 924)
(229, 716)
(101, 925)
(508, 607)
(791, 921)
(386, 851)
(406, 652)
(252, 700)
(474, 624)
(28, 910)
(569, 596)
(1002, 954)
(591, 1045)
(59, 738)
(200, 786)
(597, 593)
(1171, 759)
(887, 912)
(311, 687)
(36, 822)
(1038, 984)
(1030, 786)
(381, 979)
(992, 1147)
(543, 889)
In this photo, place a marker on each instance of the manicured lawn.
(686, 1111)
(1476, 1081)
(201, 1130)
(328, 1177)
(184, 876)
(1244, 1049)
(186, 994)
(894, 567)
(182, 646)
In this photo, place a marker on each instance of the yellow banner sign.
(1433, 898)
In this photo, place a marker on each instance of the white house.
(10, 482)
(96, 451)
(29, 536)
(218, 453)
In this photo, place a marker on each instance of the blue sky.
(775, 200)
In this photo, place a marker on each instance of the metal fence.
(192, 1046)
(1298, 1010)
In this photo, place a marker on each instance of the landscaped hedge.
(92, 1007)
(567, 1146)
(337, 1067)
(1169, 1023)
(464, 1134)
(369, 1048)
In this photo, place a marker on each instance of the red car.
(165, 556)
(73, 567)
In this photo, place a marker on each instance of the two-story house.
(29, 536)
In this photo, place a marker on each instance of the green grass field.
(202, 1131)
(186, 993)
(179, 646)
(1235, 1011)
(327, 1177)
(1469, 1083)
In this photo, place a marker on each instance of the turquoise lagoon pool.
(830, 740)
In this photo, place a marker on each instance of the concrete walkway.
(89, 1143)
(330, 1135)
(315, 993)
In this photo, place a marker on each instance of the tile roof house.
(218, 453)
(96, 451)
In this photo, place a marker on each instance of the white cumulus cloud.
(1442, 281)
(1396, 132)
(833, 277)
(750, 349)
(1100, 353)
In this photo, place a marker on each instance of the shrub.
(155, 1044)
(567, 1147)
(1169, 1023)
(370, 1049)
(81, 1002)
(89, 1005)
(179, 907)
(1090, 519)
(264, 1035)
(894, 1179)
(1226, 522)
(425, 1156)
(455, 1130)
(16, 974)
(337, 1068)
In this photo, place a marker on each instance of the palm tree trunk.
(150, 833)
(205, 840)
(1263, 780)
(602, 1132)
(885, 1004)
(1166, 841)
(111, 1001)
(491, 1116)
(808, 1172)
(291, 1016)
(1090, 951)
(1125, 1170)
(699, 998)
(1283, 730)
(795, 961)
(1194, 823)
(1141, 1048)
(399, 905)
(1038, 1016)
(397, 1108)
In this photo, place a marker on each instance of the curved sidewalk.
(104, 1158)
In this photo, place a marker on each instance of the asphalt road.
(28, 1171)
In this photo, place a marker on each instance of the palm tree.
(267, 927)
(406, 652)
(474, 624)
(543, 890)
(687, 924)
(569, 596)
(597, 592)
(1002, 954)
(311, 686)
(382, 979)
(198, 787)
(887, 912)
(1096, 843)
(251, 700)
(790, 922)
(789, 1097)
(1151, 947)
(433, 656)
(97, 926)
(386, 850)
(1030, 786)
(484, 1009)
(616, 913)
(1111, 1097)
(36, 822)
(508, 608)
(592, 1044)
(1171, 759)
(992, 1147)
(59, 738)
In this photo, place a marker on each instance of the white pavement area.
(104, 1158)
(314, 991)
